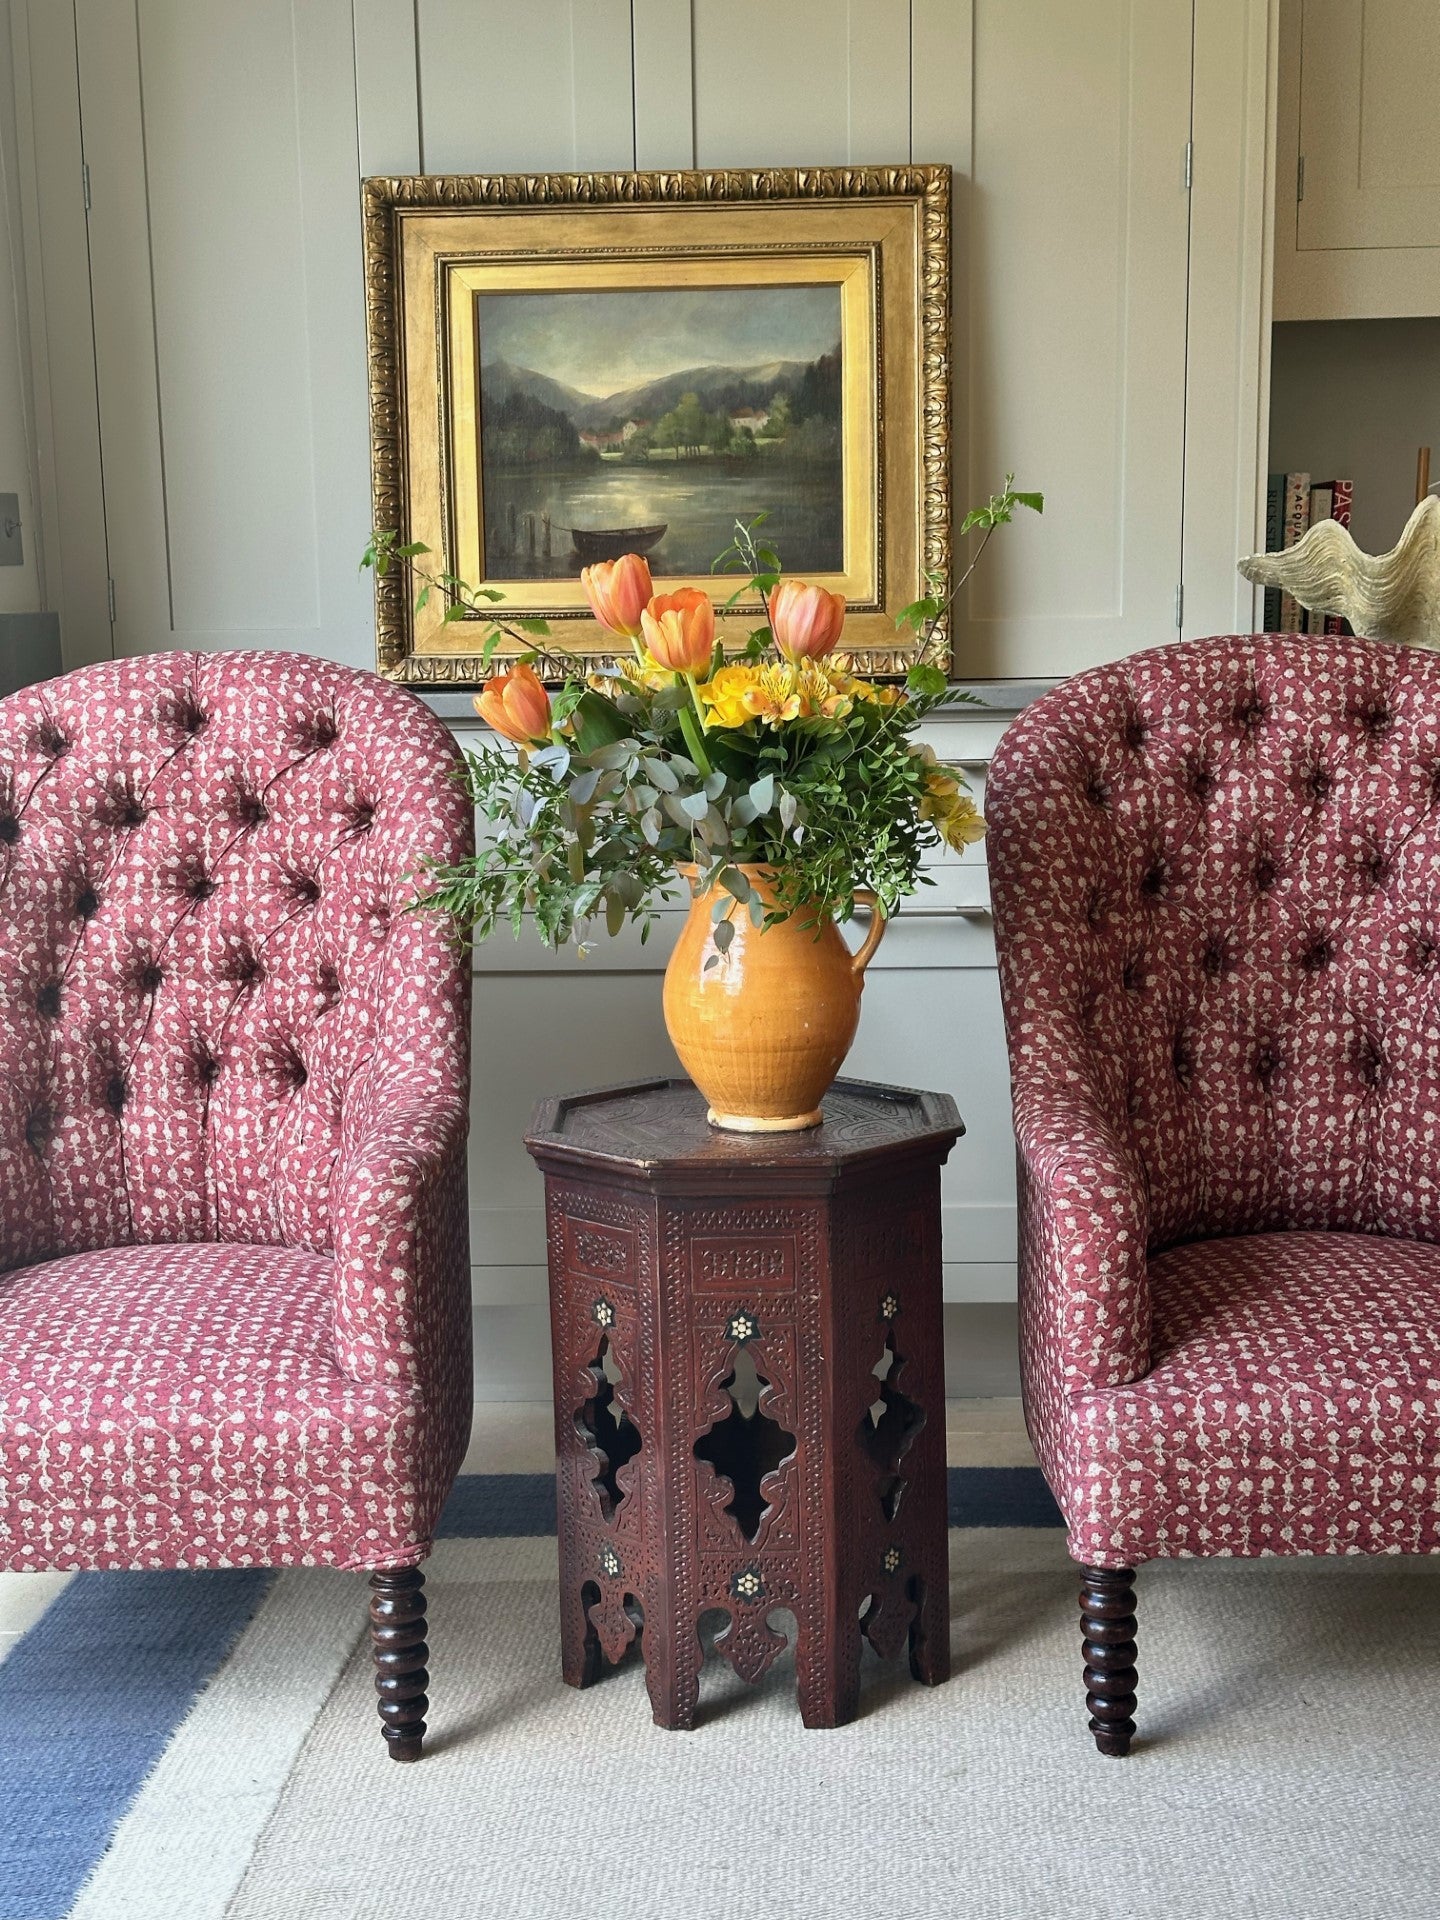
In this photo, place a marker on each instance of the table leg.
(672, 1669)
(827, 1666)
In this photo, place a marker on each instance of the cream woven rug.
(1290, 1765)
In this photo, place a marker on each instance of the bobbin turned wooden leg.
(397, 1633)
(1107, 1624)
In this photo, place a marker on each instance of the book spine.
(1322, 501)
(1297, 518)
(1343, 493)
(1274, 541)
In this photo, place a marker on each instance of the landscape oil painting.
(648, 419)
(565, 368)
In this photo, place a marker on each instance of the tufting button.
(116, 1092)
(1263, 874)
(1182, 1060)
(317, 730)
(1096, 791)
(207, 1066)
(47, 1000)
(1375, 719)
(1266, 1062)
(1213, 958)
(149, 978)
(1422, 955)
(1319, 784)
(198, 886)
(304, 886)
(87, 903)
(244, 967)
(1136, 734)
(1095, 907)
(1372, 1065)
(1376, 869)
(362, 816)
(1153, 881)
(247, 809)
(49, 740)
(183, 714)
(1319, 953)
(327, 985)
(9, 828)
(1249, 713)
(1132, 974)
(39, 1128)
(1202, 784)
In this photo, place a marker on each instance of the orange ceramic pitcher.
(765, 1029)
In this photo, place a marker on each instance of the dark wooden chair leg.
(1107, 1624)
(397, 1633)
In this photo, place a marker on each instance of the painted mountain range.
(716, 387)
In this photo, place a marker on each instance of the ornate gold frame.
(423, 231)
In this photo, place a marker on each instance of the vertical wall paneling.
(387, 86)
(20, 587)
(546, 87)
(772, 87)
(62, 340)
(1229, 321)
(664, 57)
(1074, 280)
(878, 85)
(230, 322)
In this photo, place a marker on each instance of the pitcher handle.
(865, 952)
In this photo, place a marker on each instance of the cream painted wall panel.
(664, 55)
(545, 87)
(1070, 285)
(230, 322)
(831, 83)
(62, 341)
(19, 586)
(227, 256)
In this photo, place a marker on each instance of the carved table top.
(656, 1131)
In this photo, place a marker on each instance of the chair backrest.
(204, 866)
(1215, 871)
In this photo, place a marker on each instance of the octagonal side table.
(749, 1386)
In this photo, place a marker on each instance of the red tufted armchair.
(234, 1279)
(1216, 882)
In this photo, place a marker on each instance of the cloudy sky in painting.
(605, 342)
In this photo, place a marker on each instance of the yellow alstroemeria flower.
(823, 694)
(954, 814)
(773, 697)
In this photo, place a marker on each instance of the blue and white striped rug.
(152, 1720)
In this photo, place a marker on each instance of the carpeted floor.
(1290, 1747)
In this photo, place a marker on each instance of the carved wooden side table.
(749, 1386)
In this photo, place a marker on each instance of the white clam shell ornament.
(1386, 596)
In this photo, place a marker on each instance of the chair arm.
(400, 1229)
(1084, 1232)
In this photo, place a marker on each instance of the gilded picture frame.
(526, 415)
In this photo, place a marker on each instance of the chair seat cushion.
(1292, 1406)
(182, 1406)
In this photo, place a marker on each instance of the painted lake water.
(699, 503)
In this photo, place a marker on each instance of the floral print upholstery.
(234, 1072)
(1216, 878)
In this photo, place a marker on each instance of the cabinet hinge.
(1300, 179)
(1180, 605)
(1189, 163)
(110, 596)
(85, 182)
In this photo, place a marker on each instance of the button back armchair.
(1216, 883)
(234, 1276)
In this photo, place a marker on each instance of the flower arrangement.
(780, 759)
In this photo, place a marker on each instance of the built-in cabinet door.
(1370, 123)
(1071, 262)
(1357, 160)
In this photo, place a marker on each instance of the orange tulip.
(618, 591)
(517, 705)
(679, 630)
(805, 621)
